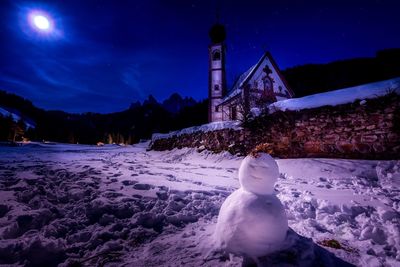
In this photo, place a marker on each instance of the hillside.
(317, 78)
(128, 126)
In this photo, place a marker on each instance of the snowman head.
(258, 174)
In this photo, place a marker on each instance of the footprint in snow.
(296, 194)
(172, 178)
(110, 194)
(129, 182)
(142, 186)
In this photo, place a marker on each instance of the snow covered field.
(125, 206)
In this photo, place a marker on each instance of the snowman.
(252, 221)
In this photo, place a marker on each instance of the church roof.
(236, 89)
(246, 76)
(243, 78)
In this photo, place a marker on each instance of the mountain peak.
(150, 101)
(175, 103)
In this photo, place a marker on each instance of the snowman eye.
(257, 166)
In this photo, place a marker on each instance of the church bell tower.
(216, 72)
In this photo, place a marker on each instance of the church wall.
(216, 79)
(216, 64)
(256, 79)
(361, 131)
(217, 84)
(216, 115)
(226, 109)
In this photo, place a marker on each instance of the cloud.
(51, 74)
(131, 76)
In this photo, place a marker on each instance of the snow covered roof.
(338, 97)
(213, 126)
(236, 89)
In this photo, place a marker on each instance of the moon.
(41, 22)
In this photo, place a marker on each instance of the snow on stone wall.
(338, 97)
(212, 126)
(368, 129)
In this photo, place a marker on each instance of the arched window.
(216, 87)
(216, 55)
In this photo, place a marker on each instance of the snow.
(338, 97)
(15, 117)
(125, 206)
(332, 98)
(212, 126)
(236, 89)
(258, 174)
(252, 220)
(251, 225)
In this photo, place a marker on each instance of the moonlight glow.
(41, 21)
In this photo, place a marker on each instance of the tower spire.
(217, 13)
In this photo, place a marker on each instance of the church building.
(257, 87)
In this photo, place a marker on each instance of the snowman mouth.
(257, 177)
(257, 169)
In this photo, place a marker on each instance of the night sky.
(102, 55)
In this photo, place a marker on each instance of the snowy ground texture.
(125, 206)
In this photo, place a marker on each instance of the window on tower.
(216, 87)
(216, 55)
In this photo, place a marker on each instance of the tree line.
(141, 120)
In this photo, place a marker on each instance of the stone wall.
(365, 130)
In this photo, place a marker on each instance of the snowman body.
(252, 220)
